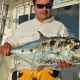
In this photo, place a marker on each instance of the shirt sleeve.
(13, 39)
(66, 33)
(63, 31)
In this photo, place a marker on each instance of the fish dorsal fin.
(41, 35)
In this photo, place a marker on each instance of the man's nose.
(44, 8)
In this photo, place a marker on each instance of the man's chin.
(44, 17)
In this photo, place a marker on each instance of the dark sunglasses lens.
(49, 5)
(40, 6)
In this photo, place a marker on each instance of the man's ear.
(33, 7)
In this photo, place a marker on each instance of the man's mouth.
(44, 14)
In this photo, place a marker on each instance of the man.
(28, 31)
(44, 22)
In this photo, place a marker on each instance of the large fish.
(48, 51)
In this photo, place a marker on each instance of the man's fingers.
(63, 63)
(0, 49)
(4, 50)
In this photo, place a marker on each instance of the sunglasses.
(41, 6)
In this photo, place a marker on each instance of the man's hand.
(5, 49)
(63, 63)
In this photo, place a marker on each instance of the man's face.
(43, 12)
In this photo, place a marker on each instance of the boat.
(13, 13)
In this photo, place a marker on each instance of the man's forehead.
(42, 1)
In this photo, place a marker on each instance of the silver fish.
(48, 51)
